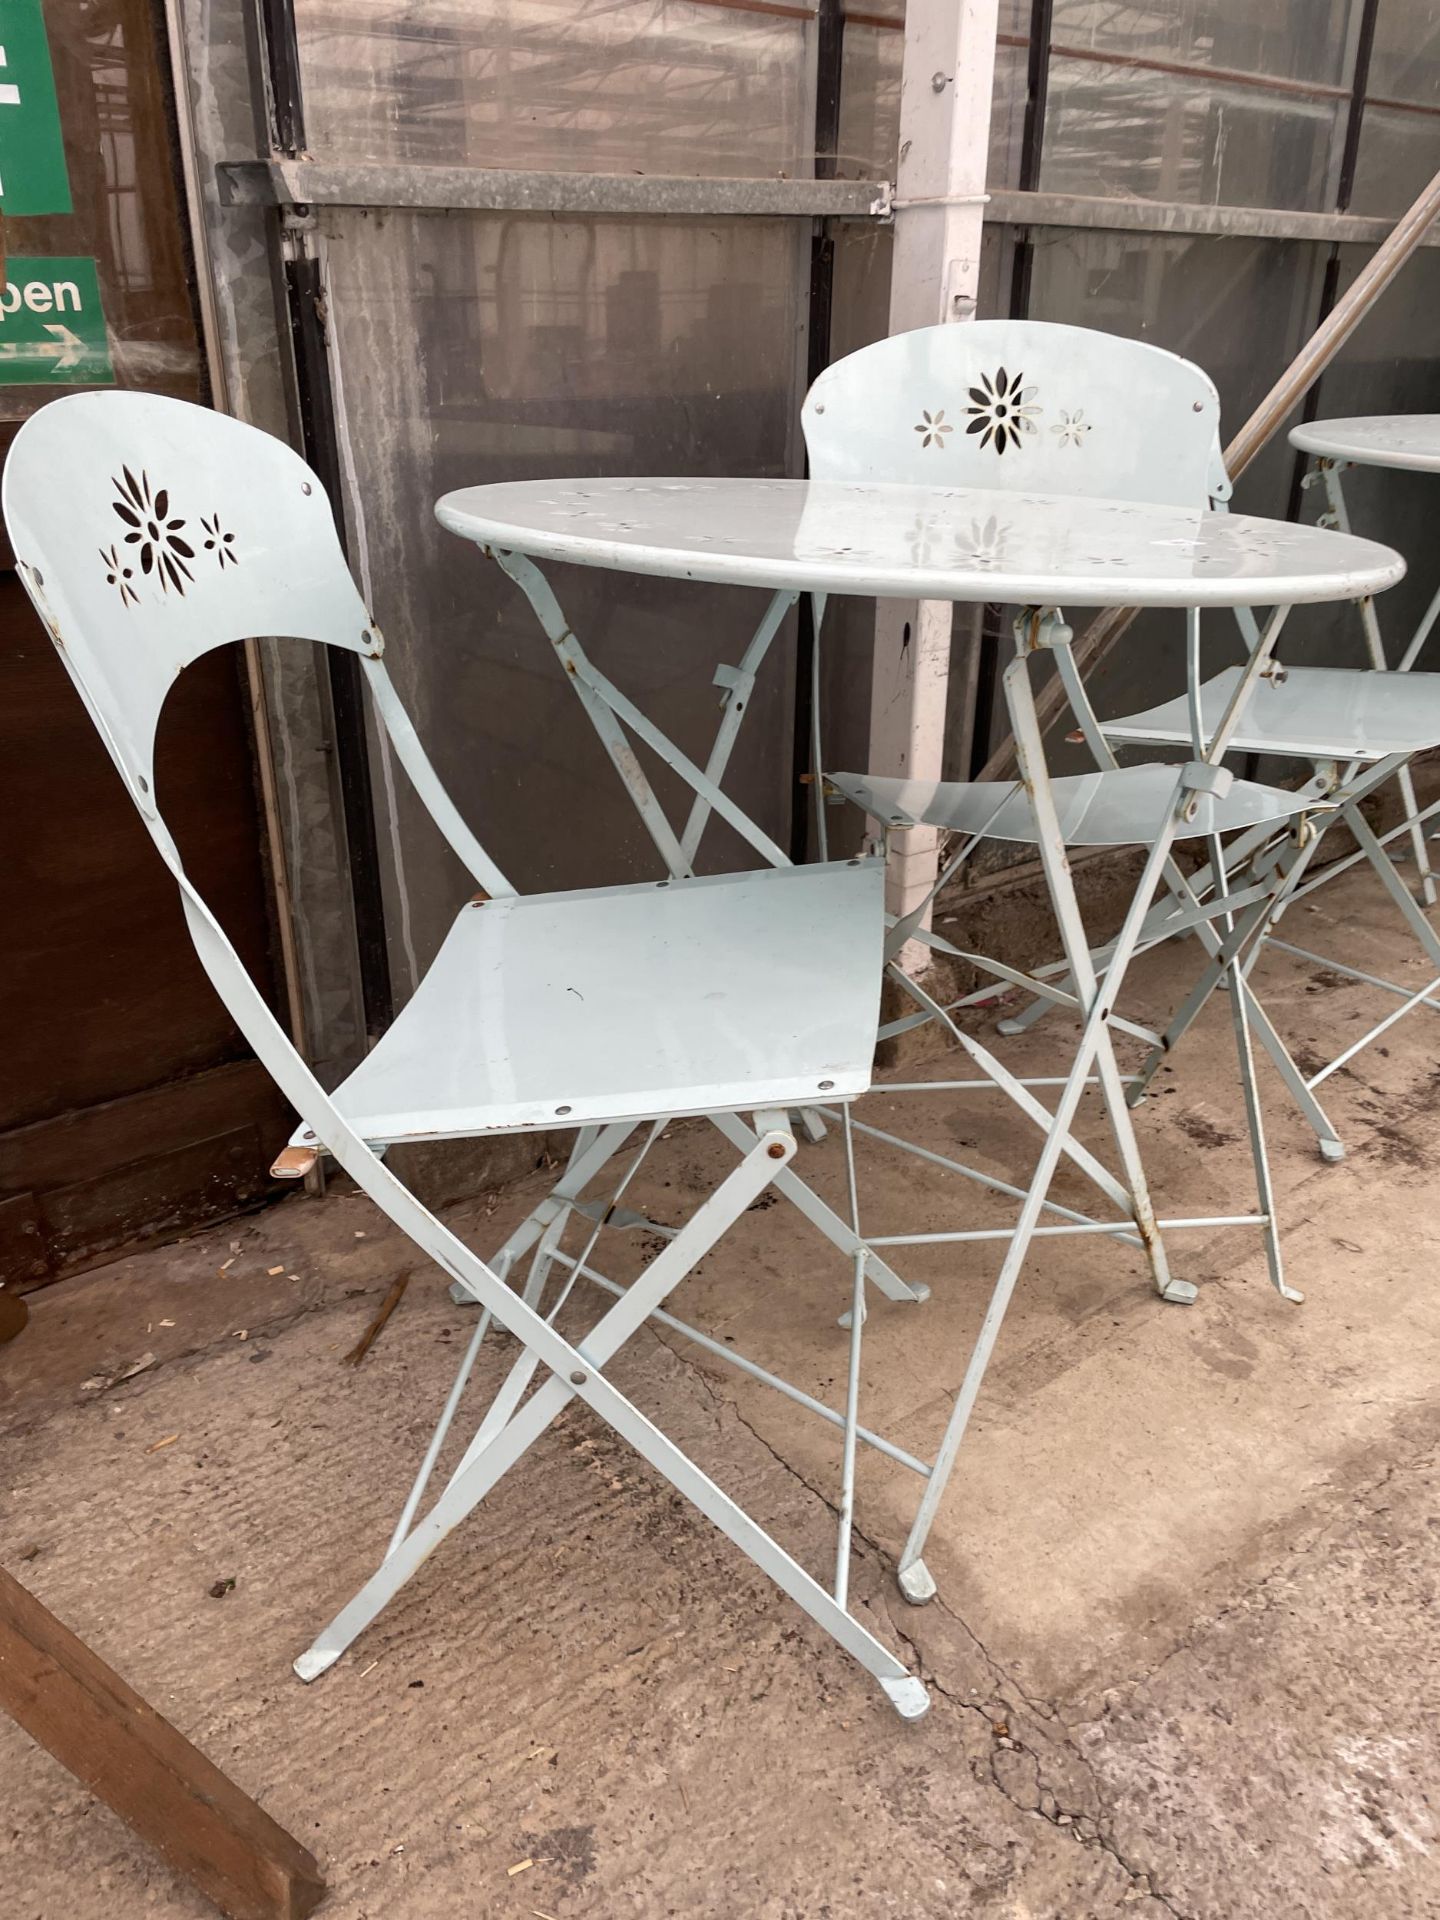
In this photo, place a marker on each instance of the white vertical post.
(945, 93)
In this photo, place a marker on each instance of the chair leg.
(591, 1150)
(791, 1187)
(1418, 847)
(916, 1582)
(1243, 941)
(577, 1372)
(1384, 866)
(1030, 760)
(1240, 1008)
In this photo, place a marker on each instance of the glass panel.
(1398, 149)
(660, 86)
(1387, 366)
(860, 315)
(870, 104)
(1128, 131)
(1405, 59)
(1399, 152)
(1007, 115)
(1240, 308)
(1284, 39)
(475, 348)
(125, 217)
(870, 100)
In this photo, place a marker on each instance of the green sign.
(33, 178)
(52, 328)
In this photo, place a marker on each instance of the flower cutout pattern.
(933, 428)
(922, 540)
(1002, 410)
(119, 576)
(1072, 428)
(163, 550)
(219, 542)
(984, 545)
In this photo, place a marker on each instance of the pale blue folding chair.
(1359, 728)
(1028, 408)
(1031, 407)
(148, 532)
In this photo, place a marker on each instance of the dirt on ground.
(1183, 1660)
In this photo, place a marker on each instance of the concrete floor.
(1183, 1662)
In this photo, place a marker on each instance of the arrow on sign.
(65, 351)
(70, 346)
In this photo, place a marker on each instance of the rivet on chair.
(577, 1379)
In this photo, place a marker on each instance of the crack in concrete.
(1083, 1828)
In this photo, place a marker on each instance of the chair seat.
(1119, 807)
(1323, 713)
(725, 993)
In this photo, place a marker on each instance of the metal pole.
(221, 397)
(274, 24)
(829, 72)
(1287, 393)
(945, 91)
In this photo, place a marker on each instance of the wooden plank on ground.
(67, 1699)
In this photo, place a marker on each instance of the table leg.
(1370, 620)
(1034, 771)
(1094, 1050)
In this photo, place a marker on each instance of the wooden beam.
(195, 1817)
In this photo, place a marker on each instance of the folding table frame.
(1234, 903)
(1200, 781)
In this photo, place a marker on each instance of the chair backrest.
(148, 532)
(1023, 406)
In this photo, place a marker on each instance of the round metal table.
(1036, 551)
(928, 543)
(1409, 441)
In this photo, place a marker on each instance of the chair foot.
(919, 1290)
(1180, 1293)
(916, 1584)
(909, 1697)
(462, 1297)
(1332, 1149)
(811, 1124)
(1294, 1294)
(317, 1660)
(1009, 1027)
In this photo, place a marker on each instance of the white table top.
(1409, 440)
(929, 543)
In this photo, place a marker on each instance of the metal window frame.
(295, 185)
(829, 81)
(276, 45)
(287, 183)
(291, 183)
